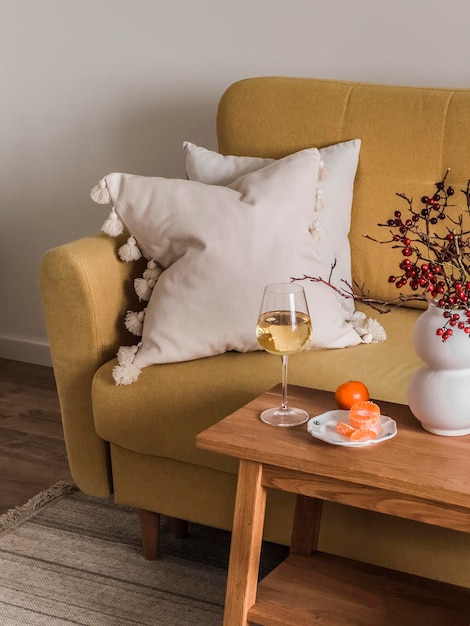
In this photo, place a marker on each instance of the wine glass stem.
(284, 404)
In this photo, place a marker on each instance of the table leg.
(306, 525)
(245, 548)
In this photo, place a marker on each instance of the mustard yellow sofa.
(137, 441)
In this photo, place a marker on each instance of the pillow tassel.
(143, 287)
(134, 322)
(318, 233)
(126, 354)
(100, 193)
(113, 225)
(368, 328)
(126, 374)
(320, 202)
(129, 251)
(322, 172)
(152, 271)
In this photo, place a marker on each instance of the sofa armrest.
(86, 291)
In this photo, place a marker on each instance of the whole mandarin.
(350, 392)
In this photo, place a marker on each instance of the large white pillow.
(220, 246)
(332, 218)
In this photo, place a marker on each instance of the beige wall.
(93, 86)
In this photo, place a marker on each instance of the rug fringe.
(20, 514)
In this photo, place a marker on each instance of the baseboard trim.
(25, 351)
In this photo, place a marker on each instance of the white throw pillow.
(332, 220)
(220, 246)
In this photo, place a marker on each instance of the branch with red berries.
(358, 293)
(435, 265)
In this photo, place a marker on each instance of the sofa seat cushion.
(170, 404)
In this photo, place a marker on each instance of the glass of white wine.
(284, 328)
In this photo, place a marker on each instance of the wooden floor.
(32, 450)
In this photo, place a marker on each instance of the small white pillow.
(335, 190)
(220, 247)
(212, 168)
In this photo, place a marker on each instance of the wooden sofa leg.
(150, 529)
(179, 528)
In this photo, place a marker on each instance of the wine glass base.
(284, 417)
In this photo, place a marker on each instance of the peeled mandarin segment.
(344, 429)
(364, 415)
(363, 435)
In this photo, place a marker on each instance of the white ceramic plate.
(324, 427)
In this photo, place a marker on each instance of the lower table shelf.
(325, 590)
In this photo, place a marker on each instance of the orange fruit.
(364, 415)
(362, 435)
(350, 392)
(344, 429)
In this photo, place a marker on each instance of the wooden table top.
(414, 462)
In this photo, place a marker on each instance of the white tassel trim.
(358, 320)
(126, 354)
(320, 202)
(100, 193)
(113, 225)
(374, 332)
(318, 233)
(134, 322)
(152, 271)
(369, 328)
(129, 251)
(143, 288)
(322, 172)
(126, 374)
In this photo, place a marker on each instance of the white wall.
(93, 86)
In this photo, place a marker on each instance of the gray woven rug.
(66, 558)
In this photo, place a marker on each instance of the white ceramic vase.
(439, 392)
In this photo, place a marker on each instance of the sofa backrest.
(410, 136)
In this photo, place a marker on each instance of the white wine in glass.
(284, 328)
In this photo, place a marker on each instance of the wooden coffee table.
(397, 477)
